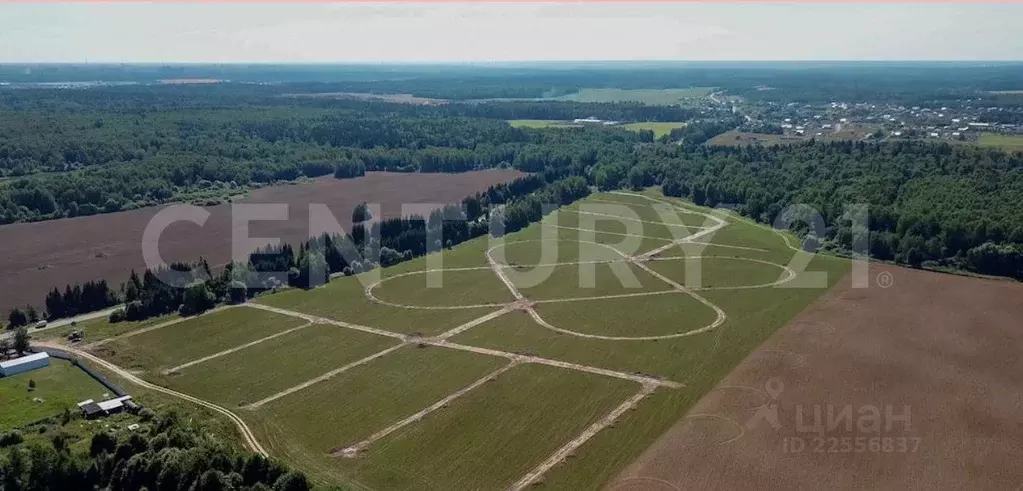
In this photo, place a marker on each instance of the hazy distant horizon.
(460, 33)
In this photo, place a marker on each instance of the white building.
(24, 364)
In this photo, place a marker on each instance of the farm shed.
(91, 409)
(24, 364)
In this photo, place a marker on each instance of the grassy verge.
(58, 386)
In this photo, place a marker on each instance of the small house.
(91, 409)
(24, 364)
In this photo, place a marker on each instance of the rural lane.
(247, 435)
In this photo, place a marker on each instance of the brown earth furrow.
(42, 255)
(929, 367)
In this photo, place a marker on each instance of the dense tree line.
(787, 81)
(945, 205)
(87, 297)
(168, 453)
(144, 159)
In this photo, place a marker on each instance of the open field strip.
(532, 477)
(323, 320)
(250, 439)
(566, 251)
(596, 280)
(524, 326)
(600, 319)
(656, 211)
(159, 349)
(298, 358)
(659, 128)
(474, 349)
(602, 297)
(490, 437)
(564, 227)
(353, 450)
(640, 220)
(558, 363)
(473, 323)
(463, 288)
(363, 400)
(346, 299)
(236, 348)
(149, 328)
(324, 377)
(655, 97)
(95, 329)
(765, 278)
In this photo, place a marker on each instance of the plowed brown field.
(38, 256)
(929, 372)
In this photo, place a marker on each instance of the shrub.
(118, 316)
(9, 438)
(238, 292)
(135, 311)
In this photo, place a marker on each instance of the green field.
(58, 386)
(468, 287)
(540, 123)
(101, 328)
(743, 139)
(659, 129)
(488, 436)
(361, 401)
(240, 377)
(654, 97)
(205, 335)
(1012, 143)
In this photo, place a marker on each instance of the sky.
(451, 32)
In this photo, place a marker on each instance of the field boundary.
(519, 302)
(235, 349)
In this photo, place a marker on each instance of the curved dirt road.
(247, 435)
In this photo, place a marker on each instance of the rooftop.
(24, 359)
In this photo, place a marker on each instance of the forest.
(62, 165)
(168, 452)
(933, 205)
(909, 82)
(930, 205)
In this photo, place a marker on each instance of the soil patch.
(39, 256)
(933, 361)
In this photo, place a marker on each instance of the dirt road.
(247, 435)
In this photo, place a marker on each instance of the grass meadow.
(58, 386)
(489, 437)
(653, 97)
(249, 375)
(659, 128)
(1011, 143)
(161, 349)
